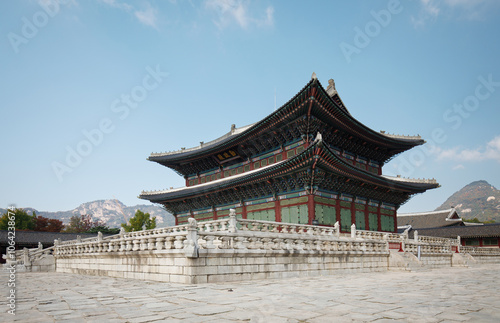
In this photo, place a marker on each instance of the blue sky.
(91, 88)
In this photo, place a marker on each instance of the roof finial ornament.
(314, 77)
(331, 88)
(233, 128)
(319, 138)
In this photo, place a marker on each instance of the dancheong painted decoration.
(309, 162)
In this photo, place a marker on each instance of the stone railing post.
(232, 221)
(459, 243)
(78, 239)
(404, 236)
(191, 243)
(353, 231)
(337, 229)
(26, 257)
(99, 236)
(415, 236)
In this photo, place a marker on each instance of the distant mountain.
(109, 212)
(477, 200)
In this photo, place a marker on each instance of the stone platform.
(449, 294)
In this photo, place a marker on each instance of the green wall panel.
(345, 220)
(387, 223)
(325, 214)
(373, 222)
(295, 214)
(360, 220)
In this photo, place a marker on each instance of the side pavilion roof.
(432, 219)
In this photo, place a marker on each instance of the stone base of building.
(220, 265)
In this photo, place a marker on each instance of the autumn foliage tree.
(47, 225)
(82, 223)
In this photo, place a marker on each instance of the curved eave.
(327, 159)
(339, 115)
(231, 140)
(369, 134)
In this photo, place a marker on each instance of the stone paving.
(438, 295)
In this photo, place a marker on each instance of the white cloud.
(147, 16)
(491, 151)
(468, 9)
(228, 11)
(117, 4)
(459, 166)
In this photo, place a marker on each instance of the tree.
(82, 223)
(139, 221)
(47, 225)
(476, 220)
(18, 218)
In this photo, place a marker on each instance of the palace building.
(308, 162)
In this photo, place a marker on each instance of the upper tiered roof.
(313, 109)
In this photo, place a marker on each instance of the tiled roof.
(309, 155)
(46, 238)
(433, 219)
(476, 231)
(342, 116)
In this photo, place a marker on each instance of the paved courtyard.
(438, 295)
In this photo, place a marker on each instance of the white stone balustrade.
(480, 250)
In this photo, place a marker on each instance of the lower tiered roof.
(317, 167)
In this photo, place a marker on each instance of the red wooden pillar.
(277, 210)
(310, 207)
(367, 218)
(215, 214)
(379, 218)
(176, 219)
(353, 212)
(243, 210)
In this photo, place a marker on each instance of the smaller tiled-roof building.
(485, 235)
(30, 239)
(449, 224)
(432, 219)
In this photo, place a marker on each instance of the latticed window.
(490, 241)
(279, 157)
(263, 162)
(472, 242)
(256, 165)
(290, 153)
(247, 168)
(300, 149)
(270, 160)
